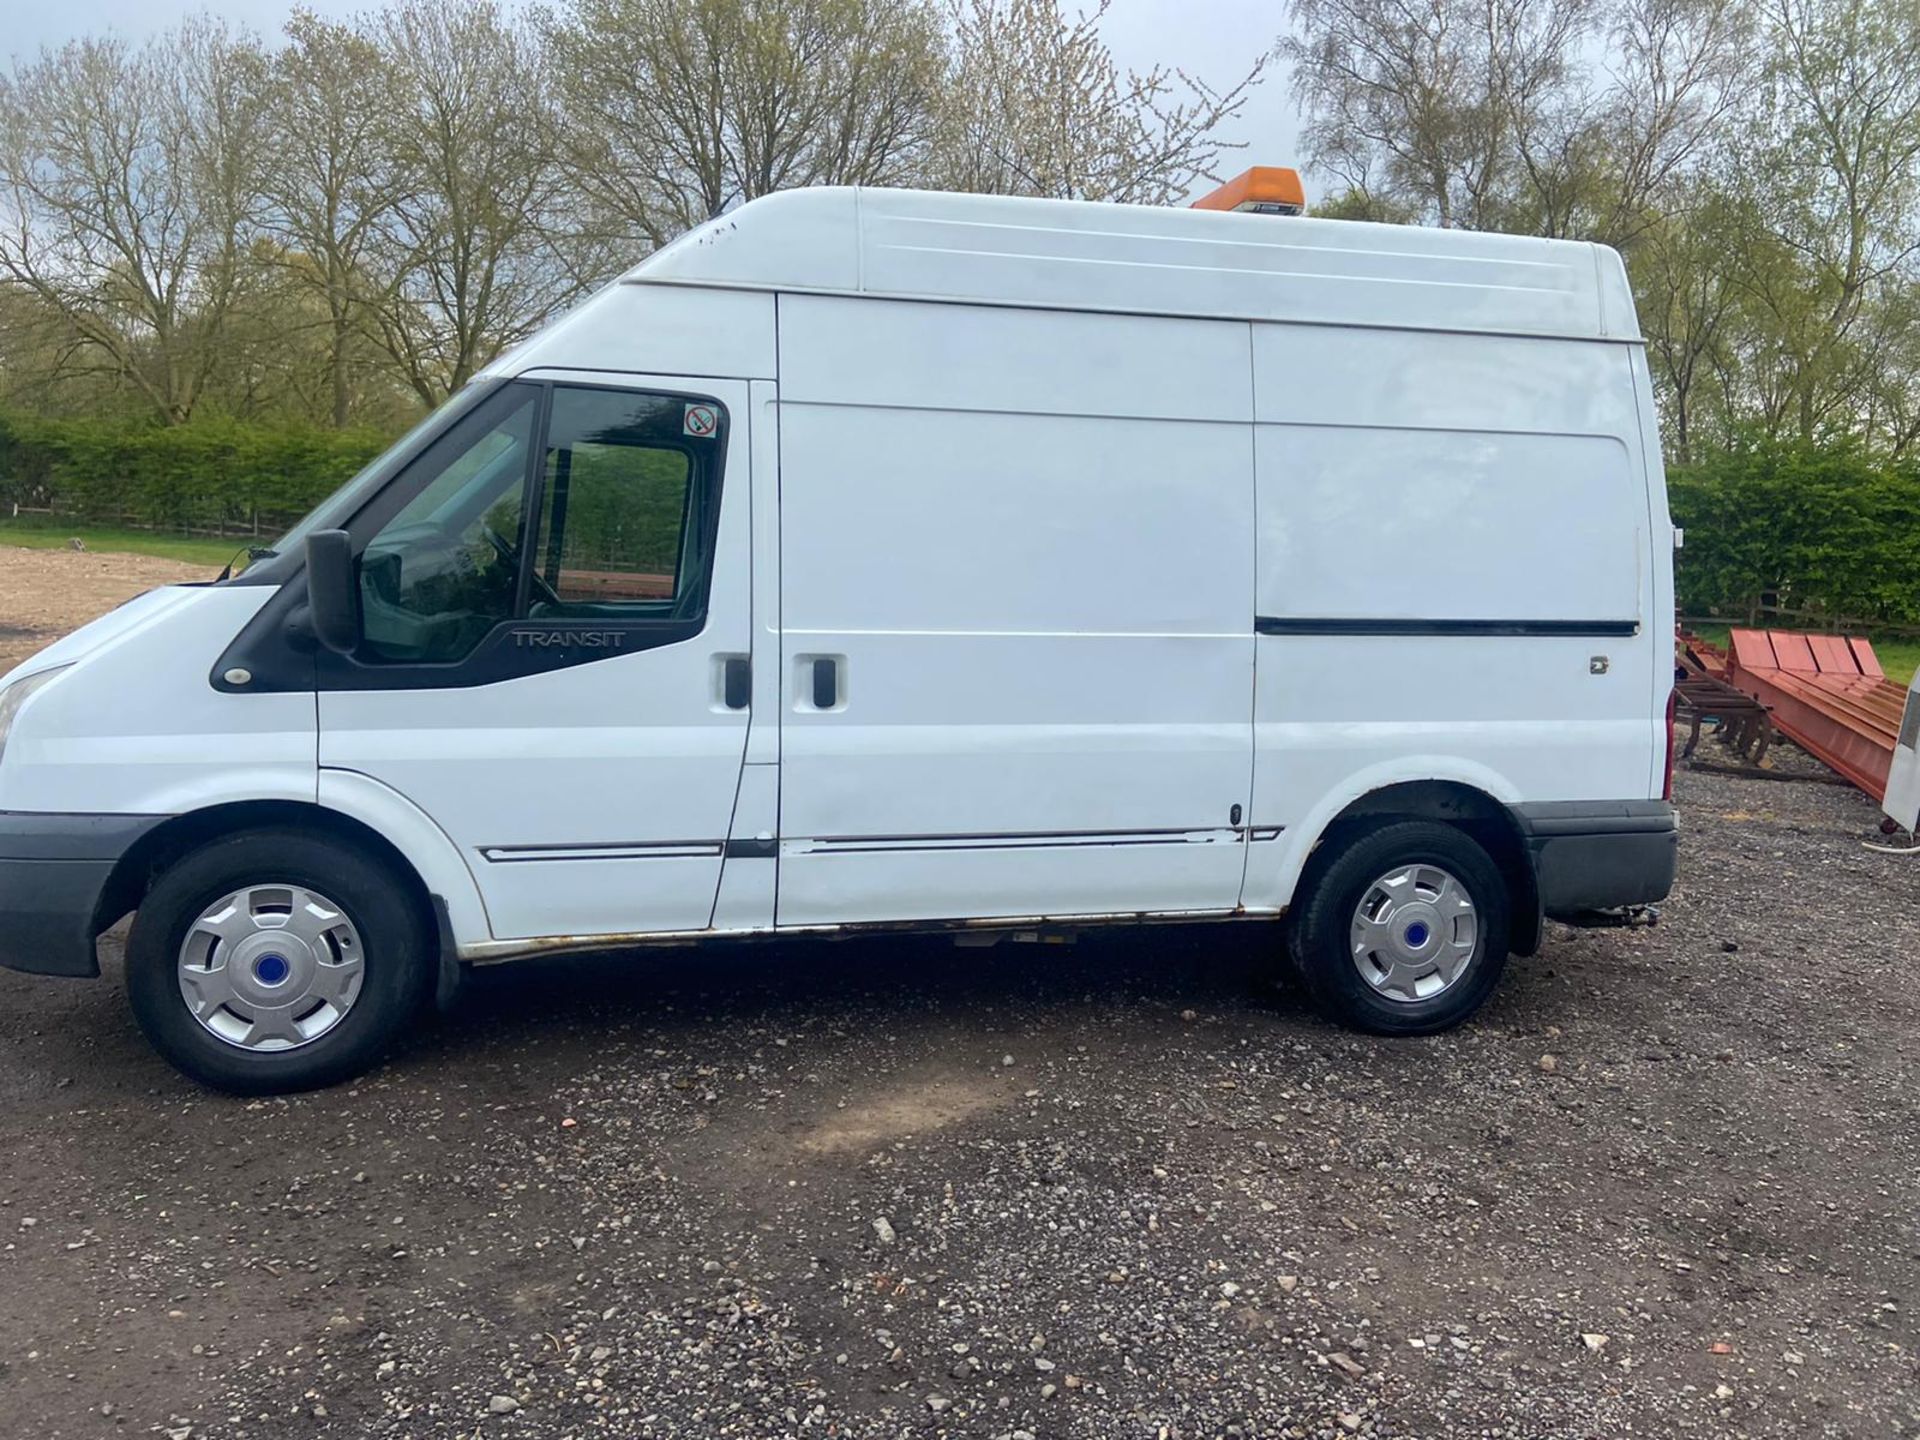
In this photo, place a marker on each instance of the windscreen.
(335, 510)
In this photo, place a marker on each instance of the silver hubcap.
(271, 967)
(1413, 933)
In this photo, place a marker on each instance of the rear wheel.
(276, 960)
(1402, 929)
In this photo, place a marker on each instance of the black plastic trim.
(1594, 817)
(53, 868)
(512, 650)
(736, 682)
(1599, 855)
(993, 837)
(450, 973)
(53, 835)
(600, 850)
(826, 684)
(753, 849)
(1014, 840)
(1298, 625)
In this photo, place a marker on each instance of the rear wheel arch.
(1450, 802)
(1402, 928)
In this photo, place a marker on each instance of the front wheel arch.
(368, 950)
(175, 838)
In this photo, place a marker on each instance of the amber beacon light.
(1263, 190)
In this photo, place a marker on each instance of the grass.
(40, 534)
(1899, 658)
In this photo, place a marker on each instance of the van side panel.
(1021, 542)
(1455, 578)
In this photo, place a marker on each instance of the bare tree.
(467, 254)
(330, 180)
(130, 193)
(1404, 92)
(1556, 117)
(1034, 104)
(1680, 72)
(1840, 171)
(675, 111)
(1688, 301)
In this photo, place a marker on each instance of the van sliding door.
(1016, 602)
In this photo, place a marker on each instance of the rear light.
(1673, 706)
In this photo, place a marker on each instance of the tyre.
(277, 960)
(1401, 929)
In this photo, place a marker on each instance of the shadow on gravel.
(1185, 966)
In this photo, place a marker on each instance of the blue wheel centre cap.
(1416, 937)
(272, 970)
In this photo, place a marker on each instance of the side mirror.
(333, 590)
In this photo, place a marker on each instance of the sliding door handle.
(819, 683)
(826, 682)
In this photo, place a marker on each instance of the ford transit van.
(884, 559)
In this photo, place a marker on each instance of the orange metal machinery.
(1828, 694)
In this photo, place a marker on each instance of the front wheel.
(1401, 930)
(276, 960)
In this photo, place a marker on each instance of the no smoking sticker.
(701, 421)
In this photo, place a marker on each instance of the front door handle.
(736, 682)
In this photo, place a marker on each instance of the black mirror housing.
(333, 591)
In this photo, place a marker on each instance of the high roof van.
(876, 559)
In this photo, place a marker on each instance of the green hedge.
(1825, 528)
(212, 476)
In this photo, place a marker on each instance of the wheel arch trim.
(442, 869)
(1455, 791)
(349, 804)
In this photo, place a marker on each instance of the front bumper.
(53, 872)
(1600, 855)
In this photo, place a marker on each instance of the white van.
(886, 559)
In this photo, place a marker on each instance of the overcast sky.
(1214, 39)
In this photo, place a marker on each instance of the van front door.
(555, 633)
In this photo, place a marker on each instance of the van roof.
(1141, 259)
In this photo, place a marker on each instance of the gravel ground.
(1664, 1185)
(45, 593)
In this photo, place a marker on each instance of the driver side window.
(601, 509)
(618, 508)
(444, 571)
